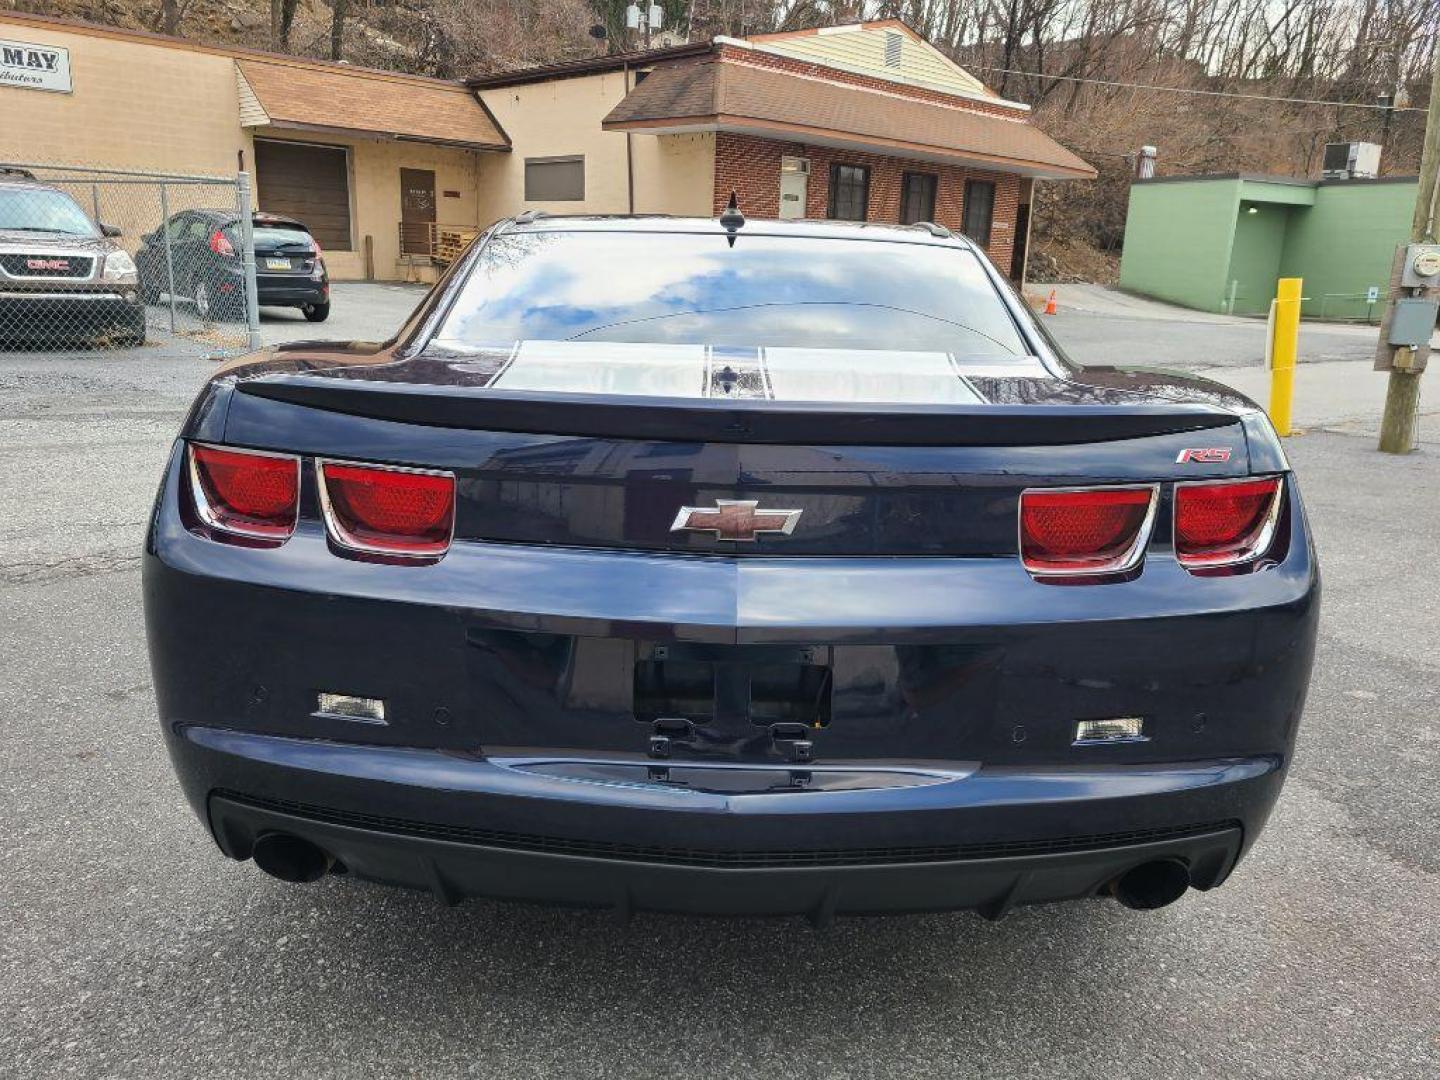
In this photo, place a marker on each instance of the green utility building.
(1219, 243)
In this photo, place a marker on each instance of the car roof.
(259, 217)
(804, 227)
(29, 183)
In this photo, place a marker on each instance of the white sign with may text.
(34, 67)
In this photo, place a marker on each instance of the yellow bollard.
(1283, 348)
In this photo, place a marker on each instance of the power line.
(1202, 93)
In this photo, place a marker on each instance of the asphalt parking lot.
(134, 949)
(1099, 325)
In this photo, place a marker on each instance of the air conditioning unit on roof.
(1351, 161)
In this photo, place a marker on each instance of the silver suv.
(63, 278)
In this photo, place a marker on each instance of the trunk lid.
(543, 465)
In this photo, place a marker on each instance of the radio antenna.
(732, 220)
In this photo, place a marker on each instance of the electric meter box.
(1421, 269)
(1413, 321)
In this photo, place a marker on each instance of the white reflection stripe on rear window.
(591, 367)
(783, 374)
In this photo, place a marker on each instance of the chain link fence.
(107, 259)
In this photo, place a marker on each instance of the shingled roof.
(306, 96)
(719, 94)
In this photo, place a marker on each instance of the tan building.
(390, 171)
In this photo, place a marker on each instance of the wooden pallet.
(451, 241)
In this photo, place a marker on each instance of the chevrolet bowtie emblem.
(735, 519)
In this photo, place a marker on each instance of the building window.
(979, 209)
(917, 198)
(849, 192)
(308, 182)
(554, 179)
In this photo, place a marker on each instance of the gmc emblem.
(1208, 455)
(47, 264)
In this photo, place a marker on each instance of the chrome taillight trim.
(1127, 562)
(206, 513)
(345, 540)
(1264, 536)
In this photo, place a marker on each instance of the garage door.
(309, 183)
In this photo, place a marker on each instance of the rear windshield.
(766, 291)
(41, 211)
(618, 312)
(274, 236)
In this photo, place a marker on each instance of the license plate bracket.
(759, 685)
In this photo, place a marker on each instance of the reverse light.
(351, 707)
(220, 244)
(1114, 729)
(1073, 532)
(1225, 522)
(387, 510)
(249, 493)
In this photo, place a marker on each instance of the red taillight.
(388, 511)
(220, 244)
(246, 492)
(1084, 531)
(1220, 524)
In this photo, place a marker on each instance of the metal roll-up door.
(309, 183)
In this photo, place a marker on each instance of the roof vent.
(892, 49)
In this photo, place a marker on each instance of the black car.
(63, 278)
(196, 256)
(791, 570)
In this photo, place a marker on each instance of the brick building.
(861, 122)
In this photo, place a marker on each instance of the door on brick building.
(794, 185)
(979, 210)
(1022, 240)
(417, 210)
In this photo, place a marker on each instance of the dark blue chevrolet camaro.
(766, 568)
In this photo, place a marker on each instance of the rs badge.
(1207, 455)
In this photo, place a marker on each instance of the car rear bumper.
(420, 857)
(290, 291)
(462, 827)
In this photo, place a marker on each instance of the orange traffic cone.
(1050, 306)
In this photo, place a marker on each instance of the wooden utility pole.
(1402, 397)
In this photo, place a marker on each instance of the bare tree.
(169, 16)
(282, 19)
(338, 11)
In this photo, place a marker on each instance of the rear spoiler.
(794, 423)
